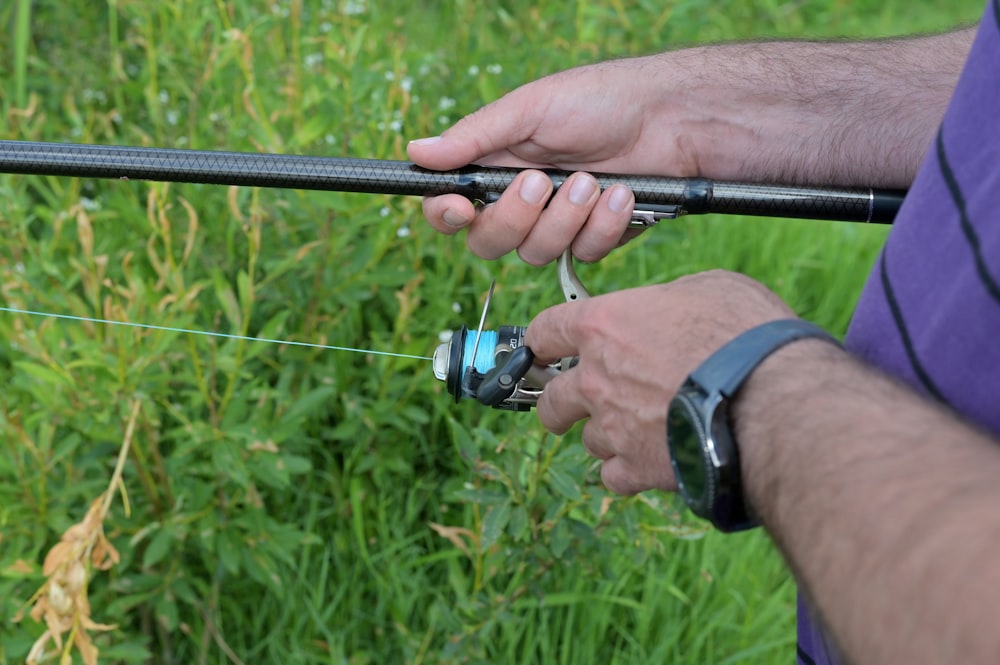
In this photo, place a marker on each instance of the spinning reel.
(494, 366)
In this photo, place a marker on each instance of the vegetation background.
(295, 505)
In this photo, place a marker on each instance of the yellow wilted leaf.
(456, 535)
(605, 505)
(268, 446)
(85, 232)
(60, 553)
(62, 601)
(19, 567)
(86, 647)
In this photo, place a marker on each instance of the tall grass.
(286, 504)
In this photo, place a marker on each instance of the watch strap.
(728, 368)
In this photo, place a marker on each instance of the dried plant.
(62, 602)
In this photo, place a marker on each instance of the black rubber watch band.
(728, 368)
(704, 452)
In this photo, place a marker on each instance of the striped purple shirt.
(930, 313)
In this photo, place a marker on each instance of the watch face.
(686, 455)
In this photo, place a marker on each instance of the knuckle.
(591, 385)
(594, 319)
(484, 250)
(615, 481)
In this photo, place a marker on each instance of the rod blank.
(479, 183)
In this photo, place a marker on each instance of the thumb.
(486, 133)
(554, 332)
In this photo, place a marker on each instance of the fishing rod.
(656, 197)
(494, 367)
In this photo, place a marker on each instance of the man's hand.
(636, 347)
(789, 112)
(557, 121)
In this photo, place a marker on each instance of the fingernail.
(454, 218)
(430, 140)
(581, 191)
(534, 188)
(620, 198)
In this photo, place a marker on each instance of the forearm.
(848, 113)
(886, 522)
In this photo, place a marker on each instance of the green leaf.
(245, 289)
(227, 300)
(229, 547)
(123, 604)
(227, 460)
(46, 374)
(481, 495)
(261, 568)
(496, 519)
(184, 591)
(559, 539)
(165, 607)
(518, 527)
(158, 548)
(314, 128)
(125, 651)
(268, 468)
(358, 40)
(562, 483)
(296, 464)
(274, 328)
(310, 403)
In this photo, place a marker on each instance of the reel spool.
(489, 366)
(495, 367)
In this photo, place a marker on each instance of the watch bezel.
(721, 502)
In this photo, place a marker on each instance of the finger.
(594, 441)
(503, 226)
(561, 404)
(617, 478)
(450, 213)
(630, 234)
(607, 224)
(561, 220)
(553, 333)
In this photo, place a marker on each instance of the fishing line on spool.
(483, 362)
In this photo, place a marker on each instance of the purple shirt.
(930, 313)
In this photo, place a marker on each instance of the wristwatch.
(703, 452)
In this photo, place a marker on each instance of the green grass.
(302, 506)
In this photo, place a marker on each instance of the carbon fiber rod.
(478, 183)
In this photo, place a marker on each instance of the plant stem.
(22, 39)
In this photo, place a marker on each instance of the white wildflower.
(355, 7)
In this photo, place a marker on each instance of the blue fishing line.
(483, 362)
(147, 326)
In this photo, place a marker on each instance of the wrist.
(704, 452)
(795, 380)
